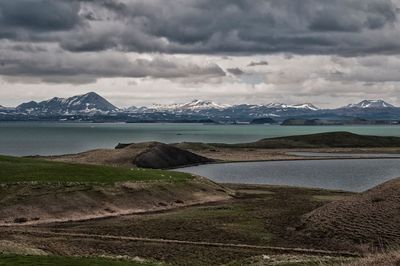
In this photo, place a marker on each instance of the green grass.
(13, 169)
(19, 260)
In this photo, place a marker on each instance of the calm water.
(344, 155)
(351, 175)
(60, 138)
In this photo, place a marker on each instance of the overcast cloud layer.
(143, 51)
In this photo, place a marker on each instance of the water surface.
(350, 175)
(31, 138)
(344, 155)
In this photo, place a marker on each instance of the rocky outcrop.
(145, 155)
(163, 156)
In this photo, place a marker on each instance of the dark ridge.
(340, 139)
(321, 140)
(163, 156)
(122, 145)
(264, 120)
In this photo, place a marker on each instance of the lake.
(42, 138)
(351, 175)
(343, 155)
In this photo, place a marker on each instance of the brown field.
(259, 220)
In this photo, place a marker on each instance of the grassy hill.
(38, 191)
(14, 169)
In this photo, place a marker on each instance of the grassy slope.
(18, 260)
(14, 169)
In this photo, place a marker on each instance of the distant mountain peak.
(309, 106)
(86, 103)
(371, 104)
(305, 106)
(203, 104)
(194, 105)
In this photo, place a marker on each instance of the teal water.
(37, 138)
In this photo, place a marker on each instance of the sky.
(140, 52)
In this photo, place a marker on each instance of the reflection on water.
(350, 175)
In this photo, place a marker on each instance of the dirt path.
(182, 242)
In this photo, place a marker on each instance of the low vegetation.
(384, 259)
(19, 260)
(13, 170)
(258, 215)
(370, 219)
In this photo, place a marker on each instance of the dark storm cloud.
(38, 15)
(345, 27)
(245, 26)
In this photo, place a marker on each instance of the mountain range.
(91, 106)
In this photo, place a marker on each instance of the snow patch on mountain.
(306, 106)
(195, 105)
(370, 104)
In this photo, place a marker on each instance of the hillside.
(14, 169)
(370, 219)
(35, 191)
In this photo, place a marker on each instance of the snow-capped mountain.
(370, 104)
(201, 105)
(89, 103)
(307, 106)
(135, 109)
(195, 105)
